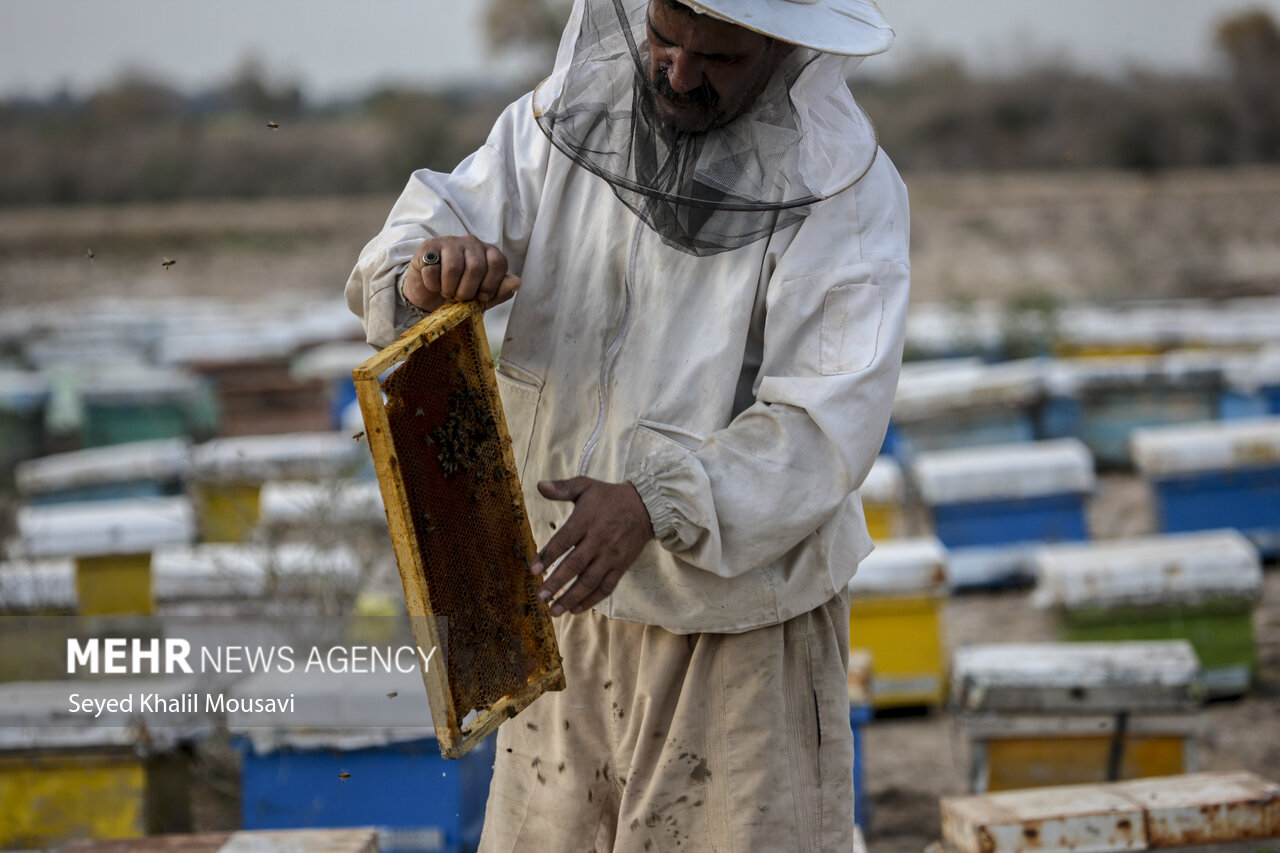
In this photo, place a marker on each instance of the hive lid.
(1076, 677)
(292, 502)
(160, 460)
(38, 714)
(1209, 446)
(22, 391)
(37, 585)
(1005, 471)
(1193, 811)
(230, 570)
(259, 458)
(884, 482)
(956, 386)
(1189, 371)
(1180, 568)
(99, 528)
(907, 565)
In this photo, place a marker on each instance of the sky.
(345, 47)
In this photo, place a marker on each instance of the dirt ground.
(1072, 236)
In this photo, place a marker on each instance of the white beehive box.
(257, 459)
(1004, 472)
(1207, 446)
(161, 462)
(98, 528)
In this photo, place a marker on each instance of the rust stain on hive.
(457, 518)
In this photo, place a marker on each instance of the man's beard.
(700, 101)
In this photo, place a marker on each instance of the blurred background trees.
(255, 134)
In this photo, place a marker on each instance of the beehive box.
(946, 405)
(356, 750)
(102, 404)
(111, 543)
(246, 362)
(124, 774)
(1252, 385)
(1101, 401)
(1037, 714)
(1201, 587)
(37, 614)
(139, 469)
(883, 496)
(458, 524)
(1202, 812)
(896, 602)
(1215, 475)
(228, 474)
(22, 401)
(998, 500)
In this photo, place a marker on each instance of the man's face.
(704, 73)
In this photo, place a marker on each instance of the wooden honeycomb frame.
(458, 524)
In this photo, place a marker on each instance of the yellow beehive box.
(883, 494)
(1039, 714)
(228, 474)
(895, 611)
(122, 774)
(111, 543)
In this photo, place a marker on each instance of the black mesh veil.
(802, 140)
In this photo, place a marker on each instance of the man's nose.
(685, 72)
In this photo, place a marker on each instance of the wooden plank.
(456, 514)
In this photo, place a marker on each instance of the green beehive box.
(1199, 587)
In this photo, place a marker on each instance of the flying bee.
(271, 125)
(393, 694)
(358, 435)
(88, 253)
(168, 262)
(344, 776)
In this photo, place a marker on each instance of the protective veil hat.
(844, 27)
(803, 139)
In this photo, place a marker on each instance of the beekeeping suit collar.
(802, 140)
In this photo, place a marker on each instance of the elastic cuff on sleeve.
(662, 513)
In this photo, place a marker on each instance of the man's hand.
(467, 269)
(605, 533)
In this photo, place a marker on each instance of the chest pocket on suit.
(851, 319)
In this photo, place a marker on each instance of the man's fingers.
(474, 270)
(592, 585)
(495, 272)
(607, 585)
(564, 490)
(568, 536)
(507, 288)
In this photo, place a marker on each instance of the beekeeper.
(711, 258)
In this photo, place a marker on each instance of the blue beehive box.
(357, 749)
(992, 506)
(1252, 385)
(964, 403)
(1102, 400)
(1215, 475)
(138, 469)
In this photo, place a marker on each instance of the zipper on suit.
(611, 354)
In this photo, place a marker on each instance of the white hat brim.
(844, 27)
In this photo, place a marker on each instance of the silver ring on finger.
(430, 258)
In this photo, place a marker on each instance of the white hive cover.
(37, 585)
(340, 710)
(1208, 446)
(906, 565)
(231, 570)
(967, 384)
(1155, 570)
(259, 458)
(1129, 663)
(98, 528)
(1004, 471)
(159, 460)
(290, 502)
(884, 483)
